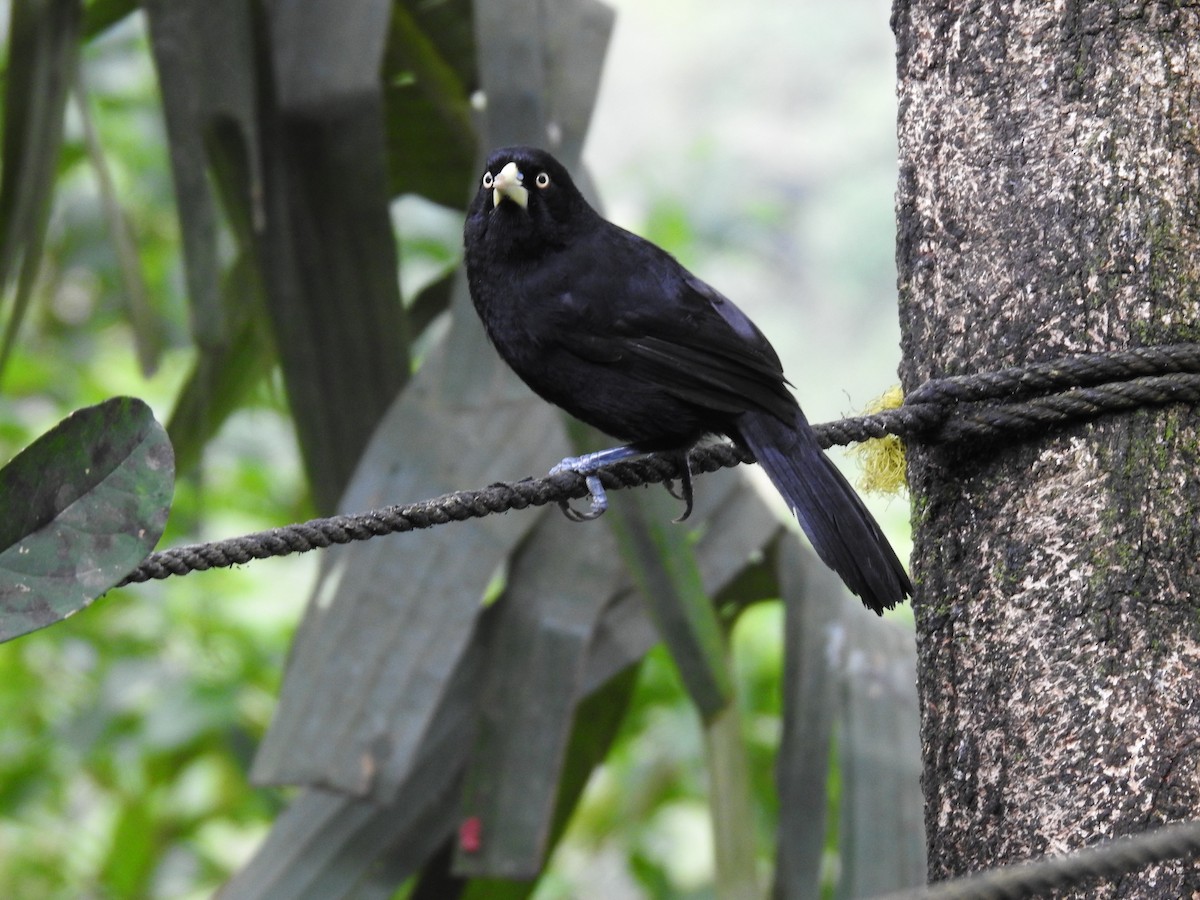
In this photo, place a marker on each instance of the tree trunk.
(1049, 203)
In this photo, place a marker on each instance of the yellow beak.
(508, 185)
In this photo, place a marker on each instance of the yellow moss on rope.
(882, 459)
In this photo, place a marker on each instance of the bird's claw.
(685, 489)
(587, 466)
(597, 501)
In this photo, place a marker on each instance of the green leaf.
(662, 562)
(147, 328)
(130, 862)
(431, 136)
(223, 376)
(83, 505)
(426, 153)
(103, 14)
(43, 49)
(449, 27)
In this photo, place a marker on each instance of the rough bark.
(1049, 203)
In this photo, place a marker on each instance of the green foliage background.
(126, 732)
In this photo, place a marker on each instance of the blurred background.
(754, 141)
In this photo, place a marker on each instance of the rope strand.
(986, 406)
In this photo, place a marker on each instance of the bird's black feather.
(615, 331)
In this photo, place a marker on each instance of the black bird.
(615, 331)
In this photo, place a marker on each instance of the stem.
(731, 805)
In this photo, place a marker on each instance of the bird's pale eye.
(488, 180)
(542, 180)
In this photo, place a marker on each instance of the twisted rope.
(987, 406)
(456, 507)
(1109, 860)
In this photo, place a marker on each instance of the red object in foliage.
(470, 834)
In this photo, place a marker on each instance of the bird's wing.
(706, 375)
(689, 340)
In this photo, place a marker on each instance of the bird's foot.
(588, 465)
(597, 502)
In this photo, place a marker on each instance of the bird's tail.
(842, 531)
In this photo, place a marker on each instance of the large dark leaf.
(882, 823)
(575, 43)
(552, 646)
(208, 57)
(82, 506)
(372, 660)
(204, 51)
(43, 49)
(597, 720)
(812, 595)
(330, 262)
(329, 845)
(535, 674)
(385, 630)
(373, 668)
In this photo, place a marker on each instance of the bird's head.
(526, 202)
